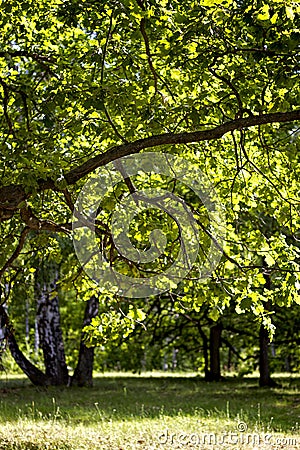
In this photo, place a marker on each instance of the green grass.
(131, 412)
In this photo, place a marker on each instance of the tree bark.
(48, 322)
(205, 352)
(49, 336)
(264, 370)
(83, 374)
(229, 359)
(35, 375)
(214, 351)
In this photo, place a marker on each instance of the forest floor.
(148, 412)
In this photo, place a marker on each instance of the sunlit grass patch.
(124, 411)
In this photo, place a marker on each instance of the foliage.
(84, 83)
(173, 337)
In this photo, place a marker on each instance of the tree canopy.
(85, 83)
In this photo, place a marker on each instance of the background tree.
(83, 84)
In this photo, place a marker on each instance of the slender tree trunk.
(36, 338)
(205, 352)
(48, 322)
(214, 351)
(264, 371)
(35, 375)
(264, 368)
(174, 358)
(27, 320)
(83, 374)
(229, 359)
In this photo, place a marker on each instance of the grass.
(149, 412)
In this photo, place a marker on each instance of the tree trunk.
(36, 338)
(264, 371)
(287, 364)
(83, 374)
(35, 375)
(48, 335)
(205, 352)
(229, 359)
(214, 351)
(48, 322)
(264, 368)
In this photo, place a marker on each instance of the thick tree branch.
(11, 196)
(35, 223)
(176, 138)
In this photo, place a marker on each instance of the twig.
(17, 251)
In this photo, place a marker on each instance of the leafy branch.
(12, 195)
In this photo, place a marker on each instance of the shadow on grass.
(136, 398)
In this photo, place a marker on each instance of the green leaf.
(270, 260)
(264, 13)
(289, 12)
(274, 18)
(214, 314)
